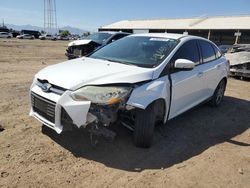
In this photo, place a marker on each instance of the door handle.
(200, 74)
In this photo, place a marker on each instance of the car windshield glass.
(99, 37)
(137, 50)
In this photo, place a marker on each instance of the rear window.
(207, 51)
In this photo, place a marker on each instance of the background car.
(36, 34)
(5, 35)
(85, 46)
(47, 37)
(239, 57)
(25, 36)
(62, 37)
(225, 48)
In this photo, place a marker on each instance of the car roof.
(113, 32)
(167, 35)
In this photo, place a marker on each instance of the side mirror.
(184, 64)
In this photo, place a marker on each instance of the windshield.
(99, 37)
(137, 50)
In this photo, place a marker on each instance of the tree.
(85, 34)
(65, 33)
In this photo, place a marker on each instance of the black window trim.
(213, 51)
(168, 69)
(215, 47)
(171, 71)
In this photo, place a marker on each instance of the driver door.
(187, 86)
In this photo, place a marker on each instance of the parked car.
(5, 35)
(140, 80)
(83, 47)
(25, 36)
(48, 37)
(239, 57)
(225, 48)
(62, 37)
(36, 34)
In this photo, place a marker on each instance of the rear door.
(211, 65)
(187, 86)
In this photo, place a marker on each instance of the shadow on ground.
(181, 139)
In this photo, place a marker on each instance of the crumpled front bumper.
(77, 110)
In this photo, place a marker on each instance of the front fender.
(147, 93)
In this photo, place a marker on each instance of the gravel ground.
(205, 147)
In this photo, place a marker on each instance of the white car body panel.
(183, 89)
(47, 37)
(5, 35)
(77, 110)
(187, 91)
(79, 42)
(144, 95)
(25, 36)
(99, 72)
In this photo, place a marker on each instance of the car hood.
(79, 42)
(79, 72)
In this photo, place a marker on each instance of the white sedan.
(5, 35)
(140, 80)
(25, 36)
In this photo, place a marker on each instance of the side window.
(207, 51)
(217, 52)
(188, 50)
(116, 37)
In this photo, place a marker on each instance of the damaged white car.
(140, 80)
(87, 45)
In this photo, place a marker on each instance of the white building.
(220, 29)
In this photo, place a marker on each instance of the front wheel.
(218, 94)
(144, 126)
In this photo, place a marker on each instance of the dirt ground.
(205, 147)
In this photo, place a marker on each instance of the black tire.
(144, 126)
(218, 94)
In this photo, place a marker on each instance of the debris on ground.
(1, 128)
(240, 170)
(4, 174)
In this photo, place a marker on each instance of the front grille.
(43, 107)
(54, 88)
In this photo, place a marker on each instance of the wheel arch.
(225, 79)
(156, 91)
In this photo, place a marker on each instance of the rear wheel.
(218, 94)
(144, 126)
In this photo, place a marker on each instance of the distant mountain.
(20, 27)
(72, 30)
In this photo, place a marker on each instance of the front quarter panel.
(147, 93)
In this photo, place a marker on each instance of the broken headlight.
(101, 94)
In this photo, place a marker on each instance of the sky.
(92, 14)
